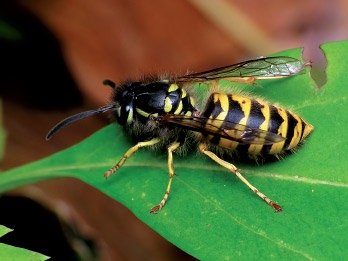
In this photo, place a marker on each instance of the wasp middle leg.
(171, 148)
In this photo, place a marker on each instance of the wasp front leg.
(129, 153)
(171, 148)
(231, 167)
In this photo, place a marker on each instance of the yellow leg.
(128, 154)
(171, 148)
(234, 169)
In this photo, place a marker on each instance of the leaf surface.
(8, 252)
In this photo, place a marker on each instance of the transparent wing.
(259, 68)
(224, 129)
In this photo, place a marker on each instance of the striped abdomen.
(254, 114)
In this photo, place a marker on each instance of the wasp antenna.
(110, 83)
(77, 117)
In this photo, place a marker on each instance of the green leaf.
(8, 31)
(2, 134)
(4, 230)
(15, 253)
(211, 214)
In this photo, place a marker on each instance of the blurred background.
(54, 56)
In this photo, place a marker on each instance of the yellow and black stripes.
(139, 101)
(234, 114)
(178, 101)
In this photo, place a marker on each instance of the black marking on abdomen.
(235, 112)
(256, 117)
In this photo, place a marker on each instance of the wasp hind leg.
(128, 154)
(231, 167)
(171, 148)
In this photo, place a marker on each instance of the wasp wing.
(259, 68)
(224, 129)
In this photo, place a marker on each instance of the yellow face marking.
(130, 117)
(118, 111)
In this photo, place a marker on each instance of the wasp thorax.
(140, 101)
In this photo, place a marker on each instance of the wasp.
(162, 113)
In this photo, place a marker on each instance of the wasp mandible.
(162, 113)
